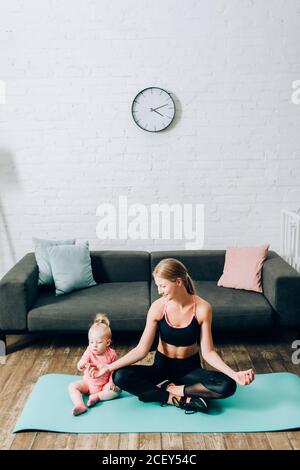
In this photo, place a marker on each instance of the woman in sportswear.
(176, 376)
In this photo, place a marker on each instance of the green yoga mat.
(270, 403)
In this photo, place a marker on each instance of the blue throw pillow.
(71, 267)
(42, 258)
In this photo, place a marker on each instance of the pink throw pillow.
(243, 266)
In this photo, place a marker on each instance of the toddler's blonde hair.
(102, 322)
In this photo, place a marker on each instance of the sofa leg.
(3, 351)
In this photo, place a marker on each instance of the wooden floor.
(59, 354)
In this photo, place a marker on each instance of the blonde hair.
(102, 322)
(171, 269)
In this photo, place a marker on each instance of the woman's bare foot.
(174, 390)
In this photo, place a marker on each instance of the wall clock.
(153, 109)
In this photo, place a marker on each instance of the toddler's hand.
(81, 366)
(93, 371)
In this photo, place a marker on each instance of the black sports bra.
(179, 336)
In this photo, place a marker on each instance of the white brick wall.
(68, 142)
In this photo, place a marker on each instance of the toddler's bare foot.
(93, 400)
(78, 410)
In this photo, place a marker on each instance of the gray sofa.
(126, 289)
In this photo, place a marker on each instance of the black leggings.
(142, 381)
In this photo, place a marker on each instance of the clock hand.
(161, 106)
(157, 112)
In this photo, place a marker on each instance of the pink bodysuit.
(97, 384)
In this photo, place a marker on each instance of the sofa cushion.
(232, 308)
(71, 267)
(120, 266)
(42, 258)
(126, 305)
(243, 267)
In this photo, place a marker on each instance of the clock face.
(153, 109)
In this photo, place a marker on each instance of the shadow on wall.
(9, 182)
(178, 111)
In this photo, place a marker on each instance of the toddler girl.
(97, 354)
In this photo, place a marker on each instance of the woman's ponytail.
(189, 285)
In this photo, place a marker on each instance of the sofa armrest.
(281, 287)
(18, 291)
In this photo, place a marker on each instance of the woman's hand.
(244, 377)
(94, 372)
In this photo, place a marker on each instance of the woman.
(176, 377)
